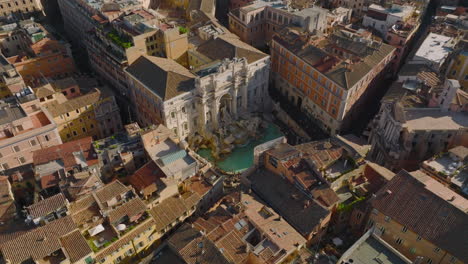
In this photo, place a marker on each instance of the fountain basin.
(241, 157)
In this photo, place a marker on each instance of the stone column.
(234, 102)
(214, 113)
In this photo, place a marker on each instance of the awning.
(96, 230)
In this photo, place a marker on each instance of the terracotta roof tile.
(227, 46)
(75, 246)
(47, 206)
(409, 202)
(110, 191)
(37, 243)
(65, 152)
(167, 212)
(49, 180)
(131, 208)
(162, 76)
(44, 91)
(186, 240)
(146, 177)
(57, 109)
(303, 213)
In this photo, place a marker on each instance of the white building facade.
(231, 89)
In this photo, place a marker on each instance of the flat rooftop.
(122, 4)
(162, 149)
(10, 112)
(261, 4)
(444, 164)
(395, 10)
(441, 191)
(434, 48)
(435, 119)
(373, 251)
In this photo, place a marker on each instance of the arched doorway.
(299, 102)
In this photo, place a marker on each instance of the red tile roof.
(409, 202)
(146, 176)
(75, 245)
(65, 151)
(47, 206)
(37, 243)
(49, 180)
(130, 209)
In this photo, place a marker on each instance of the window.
(16, 148)
(454, 72)
(375, 211)
(74, 133)
(399, 241)
(453, 259)
(429, 261)
(437, 249)
(418, 238)
(5, 166)
(19, 128)
(382, 229)
(387, 219)
(404, 229)
(412, 250)
(183, 109)
(172, 115)
(91, 126)
(21, 160)
(32, 142)
(83, 129)
(46, 137)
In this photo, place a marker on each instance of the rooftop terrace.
(372, 250)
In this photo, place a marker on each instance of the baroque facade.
(197, 100)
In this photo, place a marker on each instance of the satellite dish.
(121, 227)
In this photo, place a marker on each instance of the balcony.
(101, 236)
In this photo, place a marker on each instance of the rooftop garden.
(183, 30)
(122, 41)
(96, 245)
(349, 206)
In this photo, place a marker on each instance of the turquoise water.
(241, 158)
